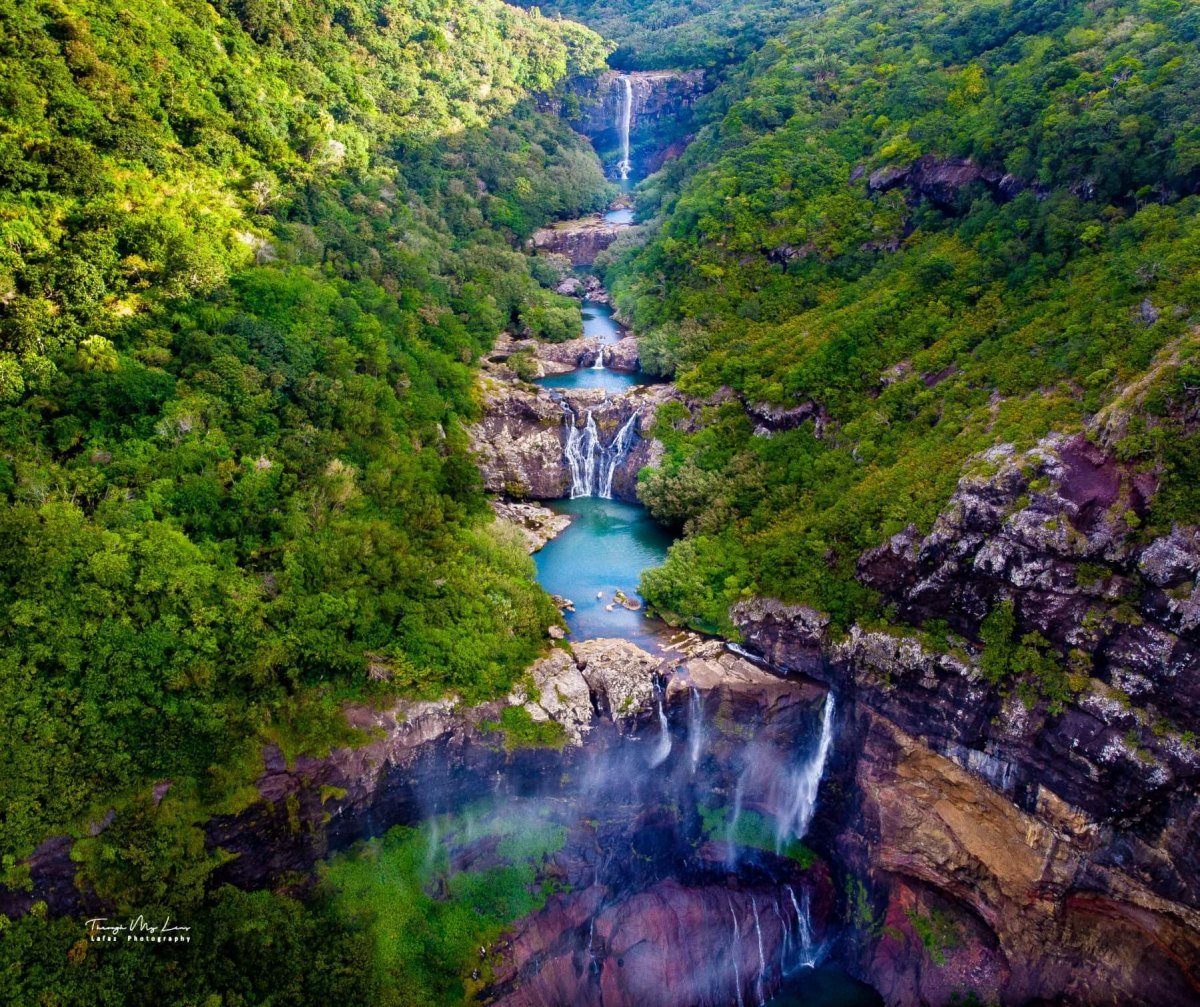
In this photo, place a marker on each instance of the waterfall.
(695, 727)
(801, 802)
(615, 453)
(592, 463)
(807, 950)
(581, 453)
(731, 826)
(762, 959)
(737, 947)
(624, 166)
(785, 930)
(599, 364)
(663, 748)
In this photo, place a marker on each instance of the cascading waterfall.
(625, 166)
(599, 362)
(796, 816)
(695, 727)
(737, 947)
(592, 463)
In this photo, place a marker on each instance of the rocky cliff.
(1017, 836)
(661, 106)
(652, 904)
(579, 240)
(521, 441)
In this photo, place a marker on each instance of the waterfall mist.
(637, 821)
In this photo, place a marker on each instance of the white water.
(808, 952)
(599, 364)
(593, 464)
(624, 166)
(762, 959)
(663, 748)
(801, 799)
(695, 728)
(732, 824)
(737, 947)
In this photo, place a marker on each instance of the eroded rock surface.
(1057, 838)
(520, 443)
(579, 240)
(537, 524)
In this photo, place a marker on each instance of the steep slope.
(249, 255)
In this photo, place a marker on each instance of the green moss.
(520, 730)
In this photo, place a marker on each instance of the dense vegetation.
(248, 255)
(668, 34)
(249, 252)
(921, 327)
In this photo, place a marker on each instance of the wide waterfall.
(625, 166)
(592, 462)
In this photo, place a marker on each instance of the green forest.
(250, 255)
(924, 331)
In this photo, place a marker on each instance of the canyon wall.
(1022, 839)
(661, 106)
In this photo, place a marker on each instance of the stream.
(659, 857)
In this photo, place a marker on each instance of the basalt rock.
(942, 180)
(622, 355)
(538, 525)
(580, 240)
(1050, 531)
(521, 440)
(1057, 840)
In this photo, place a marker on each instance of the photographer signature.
(139, 928)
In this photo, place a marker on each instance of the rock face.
(521, 440)
(1057, 844)
(580, 240)
(661, 106)
(1049, 531)
(941, 180)
(622, 355)
(653, 906)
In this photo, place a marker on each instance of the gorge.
(611, 505)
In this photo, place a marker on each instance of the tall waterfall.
(796, 816)
(695, 727)
(625, 166)
(593, 463)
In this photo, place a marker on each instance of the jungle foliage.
(919, 326)
(248, 255)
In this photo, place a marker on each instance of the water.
(798, 812)
(613, 382)
(625, 166)
(597, 324)
(621, 215)
(598, 320)
(605, 549)
(825, 987)
(593, 458)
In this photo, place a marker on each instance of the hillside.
(935, 229)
